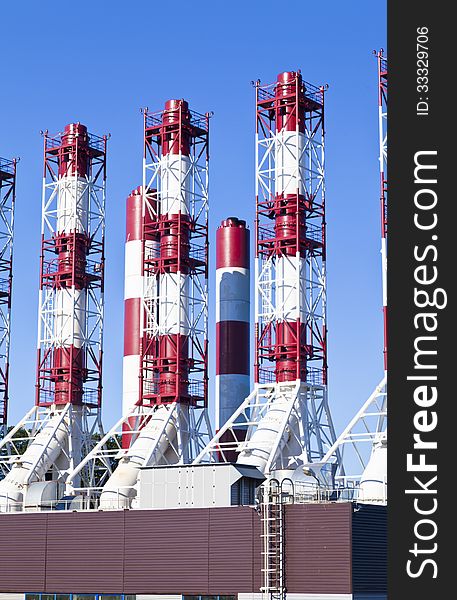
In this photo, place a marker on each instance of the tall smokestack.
(72, 270)
(232, 317)
(133, 293)
(174, 226)
(137, 243)
(66, 419)
(71, 278)
(286, 416)
(165, 417)
(292, 350)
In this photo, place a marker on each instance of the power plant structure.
(7, 200)
(287, 417)
(54, 435)
(160, 505)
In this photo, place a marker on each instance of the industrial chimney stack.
(287, 413)
(164, 419)
(232, 319)
(66, 418)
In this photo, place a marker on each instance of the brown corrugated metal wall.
(192, 551)
(318, 548)
(81, 549)
(22, 552)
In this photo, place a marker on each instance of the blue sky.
(99, 62)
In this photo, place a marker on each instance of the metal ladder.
(273, 541)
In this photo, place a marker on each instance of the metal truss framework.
(308, 238)
(192, 289)
(89, 320)
(367, 428)
(306, 431)
(186, 413)
(7, 201)
(53, 436)
(72, 422)
(191, 427)
(302, 413)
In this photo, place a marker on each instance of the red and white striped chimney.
(71, 246)
(174, 229)
(289, 231)
(138, 217)
(232, 317)
(133, 293)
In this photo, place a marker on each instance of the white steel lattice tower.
(176, 310)
(7, 200)
(71, 295)
(287, 414)
(165, 419)
(66, 418)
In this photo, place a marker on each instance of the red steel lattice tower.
(7, 201)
